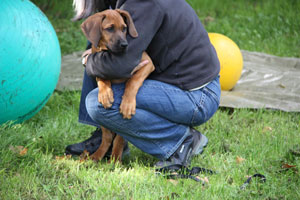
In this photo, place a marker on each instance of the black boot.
(91, 145)
(192, 145)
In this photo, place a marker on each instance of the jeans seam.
(212, 93)
(201, 105)
(194, 116)
(214, 96)
(196, 109)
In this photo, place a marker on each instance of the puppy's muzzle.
(120, 46)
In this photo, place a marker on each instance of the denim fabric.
(164, 114)
(88, 85)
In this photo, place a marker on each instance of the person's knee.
(96, 110)
(92, 104)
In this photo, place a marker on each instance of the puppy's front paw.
(127, 108)
(95, 157)
(106, 97)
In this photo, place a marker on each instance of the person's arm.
(147, 18)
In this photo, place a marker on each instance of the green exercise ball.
(30, 60)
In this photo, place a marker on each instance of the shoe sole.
(199, 148)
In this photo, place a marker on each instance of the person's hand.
(85, 56)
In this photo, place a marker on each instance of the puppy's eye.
(124, 29)
(110, 29)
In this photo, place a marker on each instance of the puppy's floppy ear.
(92, 28)
(129, 22)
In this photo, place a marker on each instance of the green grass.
(266, 139)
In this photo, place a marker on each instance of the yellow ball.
(231, 60)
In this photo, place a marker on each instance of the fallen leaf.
(239, 160)
(267, 129)
(174, 182)
(12, 149)
(20, 150)
(287, 166)
(23, 152)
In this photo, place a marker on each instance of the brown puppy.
(107, 30)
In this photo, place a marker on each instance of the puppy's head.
(108, 30)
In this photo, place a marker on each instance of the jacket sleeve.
(147, 18)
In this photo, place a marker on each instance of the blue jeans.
(88, 85)
(164, 114)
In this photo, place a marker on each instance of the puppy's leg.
(128, 104)
(107, 139)
(117, 150)
(105, 95)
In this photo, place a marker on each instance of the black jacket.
(173, 36)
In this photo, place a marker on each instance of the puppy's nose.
(123, 44)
